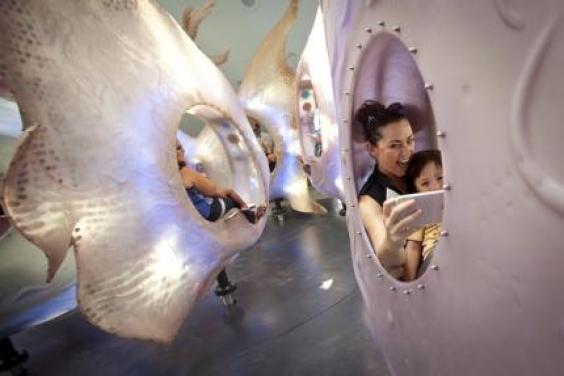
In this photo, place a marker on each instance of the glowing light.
(167, 263)
(326, 285)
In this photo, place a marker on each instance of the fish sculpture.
(316, 114)
(191, 20)
(267, 94)
(481, 81)
(102, 86)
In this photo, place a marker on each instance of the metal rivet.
(429, 87)
(368, 255)
(351, 68)
(381, 23)
(359, 233)
(434, 267)
(368, 30)
(406, 292)
(392, 288)
(413, 50)
(345, 121)
(348, 178)
(352, 205)
(444, 233)
(421, 286)
(397, 29)
(347, 93)
(380, 275)
(359, 46)
(447, 187)
(441, 134)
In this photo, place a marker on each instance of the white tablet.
(431, 205)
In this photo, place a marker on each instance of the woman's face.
(179, 152)
(430, 178)
(393, 150)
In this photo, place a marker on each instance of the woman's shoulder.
(377, 186)
(374, 189)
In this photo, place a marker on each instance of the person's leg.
(229, 204)
(10, 359)
(219, 207)
(252, 214)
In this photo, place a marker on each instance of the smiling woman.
(390, 143)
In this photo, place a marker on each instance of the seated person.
(266, 143)
(424, 174)
(210, 201)
(390, 143)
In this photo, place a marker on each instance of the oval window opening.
(191, 127)
(395, 156)
(219, 174)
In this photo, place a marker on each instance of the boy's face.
(430, 179)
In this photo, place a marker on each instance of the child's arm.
(413, 259)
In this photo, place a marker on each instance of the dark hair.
(181, 165)
(417, 163)
(374, 115)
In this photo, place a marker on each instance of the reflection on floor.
(299, 312)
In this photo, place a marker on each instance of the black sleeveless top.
(376, 185)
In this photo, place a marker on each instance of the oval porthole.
(388, 74)
(212, 146)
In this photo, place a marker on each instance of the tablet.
(431, 205)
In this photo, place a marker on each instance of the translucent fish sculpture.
(481, 79)
(191, 20)
(25, 298)
(102, 87)
(268, 95)
(316, 113)
(5, 92)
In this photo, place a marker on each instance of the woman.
(211, 201)
(390, 143)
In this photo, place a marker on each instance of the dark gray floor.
(285, 324)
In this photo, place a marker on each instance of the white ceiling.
(240, 25)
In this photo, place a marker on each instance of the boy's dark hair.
(374, 115)
(417, 162)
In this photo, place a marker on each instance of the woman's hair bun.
(373, 115)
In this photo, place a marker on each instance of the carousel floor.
(299, 312)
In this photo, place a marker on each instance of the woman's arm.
(191, 178)
(373, 219)
(413, 253)
(386, 228)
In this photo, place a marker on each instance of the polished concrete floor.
(299, 312)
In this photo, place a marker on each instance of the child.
(424, 174)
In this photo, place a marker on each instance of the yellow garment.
(428, 236)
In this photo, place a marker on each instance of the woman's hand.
(398, 219)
